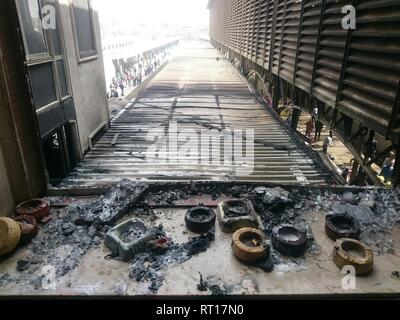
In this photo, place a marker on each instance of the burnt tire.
(249, 253)
(200, 219)
(37, 208)
(342, 256)
(289, 240)
(342, 225)
(29, 228)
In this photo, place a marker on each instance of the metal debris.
(23, 265)
(214, 286)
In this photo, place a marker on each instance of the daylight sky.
(155, 12)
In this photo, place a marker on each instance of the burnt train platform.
(198, 92)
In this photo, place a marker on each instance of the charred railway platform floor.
(90, 273)
(198, 92)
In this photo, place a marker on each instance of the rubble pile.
(61, 233)
(110, 207)
(377, 213)
(149, 266)
(277, 206)
(377, 210)
(64, 240)
(59, 244)
(85, 226)
(166, 195)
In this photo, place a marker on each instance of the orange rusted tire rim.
(344, 253)
(249, 245)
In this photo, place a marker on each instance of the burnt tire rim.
(200, 219)
(38, 208)
(341, 225)
(355, 253)
(249, 245)
(289, 240)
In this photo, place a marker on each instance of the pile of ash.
(132, 233)
(378, 211)
(150, 265)
(63, 241)
(69, 235)
(110, 207)
(237, 210)
(277, 206)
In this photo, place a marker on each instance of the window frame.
(34, 57)
(88, 55)
(50, 105)
(62, 56)
(50, 57)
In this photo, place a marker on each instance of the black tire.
(294, 248)
(334, 226)
(200, 219)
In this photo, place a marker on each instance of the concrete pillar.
(295, 118)
(256, 80)
(354, 171)
(276, 94)
(6, 198)
(243, 68)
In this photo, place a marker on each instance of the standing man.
(318, 129)
(345, 174)
(315, 113)
(310, 125)
(327, 143)
(122, 87)
(388, 167)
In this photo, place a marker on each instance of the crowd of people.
(313, 132)
(129, 78)
(133, 75)
(314, 126)
(386, 173)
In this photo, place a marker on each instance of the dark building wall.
(21, 165)
(303, 43)
(302, 51)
